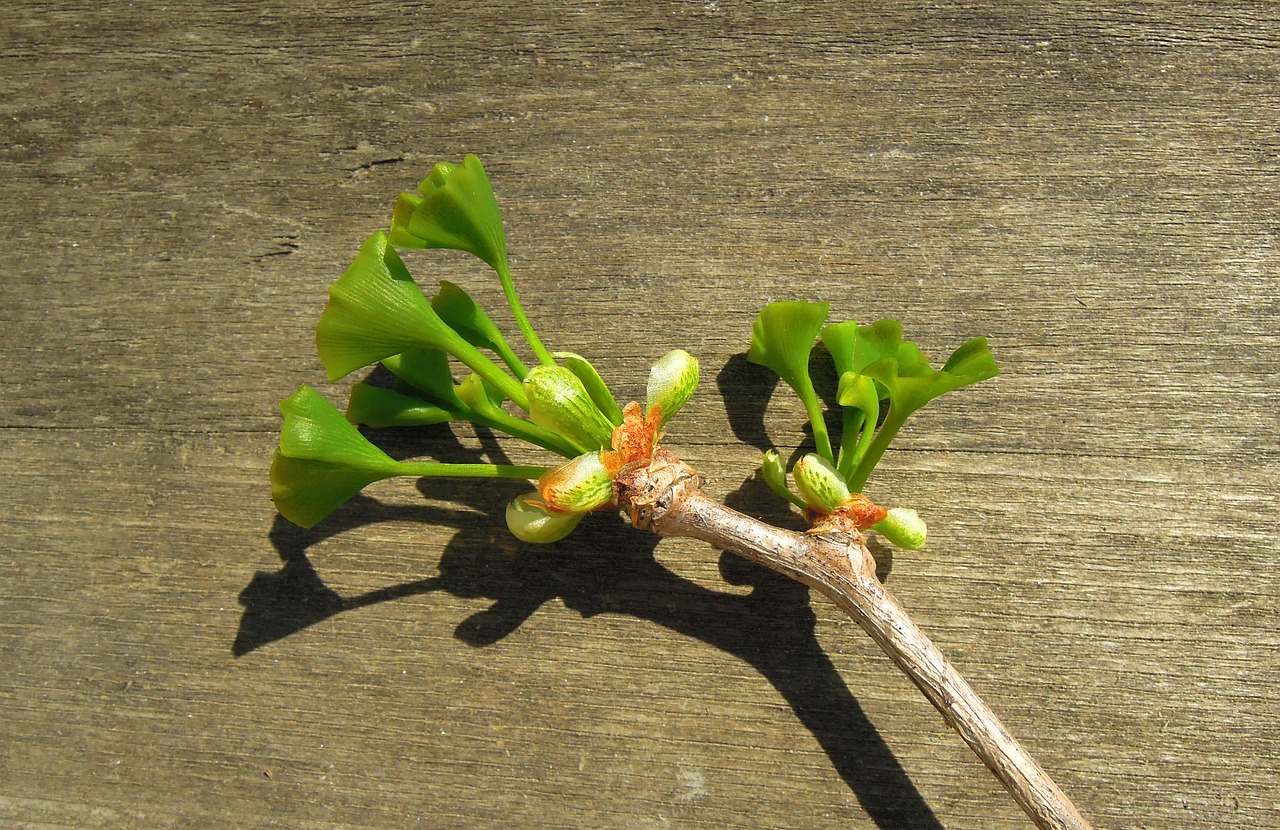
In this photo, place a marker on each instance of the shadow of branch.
(604, 568)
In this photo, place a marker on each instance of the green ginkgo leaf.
(456, 307)
(859, 398)
(376, 311)
(428, 372)
(911, 362)
(911, 383)
(375, 406)
(323, 460)
(854, 347)
(782, 339)
(453, 208)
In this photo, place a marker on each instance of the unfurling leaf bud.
(904, 527)
(479, 397)
(559, 402)
(819, 483)
(580, 485)
(774, 472)
(529, 521)
(672, 382)
(377, 407)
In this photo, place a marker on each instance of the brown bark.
(665, 496)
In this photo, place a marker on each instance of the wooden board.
(1093, 186)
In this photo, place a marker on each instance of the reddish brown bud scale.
(856, 514)
(634, 439)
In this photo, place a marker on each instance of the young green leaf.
(428, 372)
(376, 311)
(911, 383)
(593, 383)
(860, 400)
(375, 406)
(453, 208)
(854, 347)
(461, 313)
(479, 397)
(323, 460)
(782, 339)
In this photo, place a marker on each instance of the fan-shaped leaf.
(460, 312)
(375, 406)
(454, 208)
(782, 339)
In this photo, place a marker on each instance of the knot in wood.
(648, 488)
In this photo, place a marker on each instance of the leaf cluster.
(378, 315)
(883, 379)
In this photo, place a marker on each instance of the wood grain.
(1093, 186)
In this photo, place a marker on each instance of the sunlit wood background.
(1095, 186)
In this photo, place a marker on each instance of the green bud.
(529, 521)
(559, 402)
(580, 485)
(774, 472)
(819, 483)
(672, 382)
(904, 527)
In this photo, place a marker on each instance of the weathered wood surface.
(1095, 186)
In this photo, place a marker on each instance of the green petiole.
(447, 470)
(530, 336)
(493, 374)
(883, 437)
